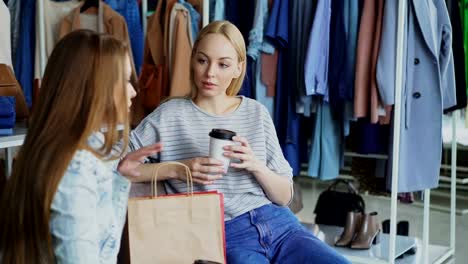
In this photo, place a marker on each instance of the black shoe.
(386, 226)
(403, 228)
(411, 251)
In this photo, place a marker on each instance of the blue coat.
(24, 61)
(429, 87)
(129, 10)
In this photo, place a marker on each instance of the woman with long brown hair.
(66, 201)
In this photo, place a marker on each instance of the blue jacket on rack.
(130, 11)
(24, 61)
(428, 87)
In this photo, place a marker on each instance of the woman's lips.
(209, 85)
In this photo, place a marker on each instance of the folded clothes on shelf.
(7, 106)
(7, 122)
(7, 112)
(6, 131)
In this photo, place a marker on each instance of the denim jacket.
(88, 210)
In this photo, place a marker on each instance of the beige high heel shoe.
(368, 233)
(353, 223)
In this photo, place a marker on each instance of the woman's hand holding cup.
(205, 170)
(244, 153)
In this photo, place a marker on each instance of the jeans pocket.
(238, 224)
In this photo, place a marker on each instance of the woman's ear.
(239, 68)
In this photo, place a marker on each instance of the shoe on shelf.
(403, 228)
(368, 232)
(353, 221)
(386, 226)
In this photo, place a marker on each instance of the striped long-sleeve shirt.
(184, 129)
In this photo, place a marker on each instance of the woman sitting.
(257, 186)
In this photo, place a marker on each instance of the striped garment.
(184, 129)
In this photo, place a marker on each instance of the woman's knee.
(304, 247)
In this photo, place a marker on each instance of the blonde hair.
(232, 33)
(78, 95)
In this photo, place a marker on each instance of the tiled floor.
(439, 221)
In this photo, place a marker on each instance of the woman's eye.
(222, 65)
(201, 61)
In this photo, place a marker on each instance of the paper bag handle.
(188, 175)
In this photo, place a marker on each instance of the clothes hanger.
(88, 4)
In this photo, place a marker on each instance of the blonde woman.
(258, 184)
(65, 201)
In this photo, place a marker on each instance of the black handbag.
(333, 206)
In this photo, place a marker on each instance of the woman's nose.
(211, 70)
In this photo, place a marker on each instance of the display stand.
(8, 142)
(402, 14)
(376, 254)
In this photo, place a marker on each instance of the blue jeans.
(272, 234)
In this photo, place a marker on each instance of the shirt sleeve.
(316, 61)
(73, 223)
(275, 160)
(146, 133)
(256, 34)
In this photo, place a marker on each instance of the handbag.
(9, 86)
(333, 206)
(176, 228)
(153, 84)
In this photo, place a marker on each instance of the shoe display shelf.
(378, 253)
(8, 142)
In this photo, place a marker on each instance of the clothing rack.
(402, 14)
(205, 16)
(402, 11)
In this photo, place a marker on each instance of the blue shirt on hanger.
(130, 11)
(285, 117)
(277, 28)
(302, 14)
(316, 66)
(248, 84)
(217, 10)
(256, 40)
(325, 156)
(15, 17)
(278, 36)
(25, 53)
(241, 14)
(195, 17)
(351, 26)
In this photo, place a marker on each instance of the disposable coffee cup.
(219, 138)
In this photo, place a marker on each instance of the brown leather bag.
(9, 86)
(151, 83)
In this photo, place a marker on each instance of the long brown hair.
(83, 78)
(232, 33)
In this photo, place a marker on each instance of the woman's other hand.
(205, 170)
(244, 153)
